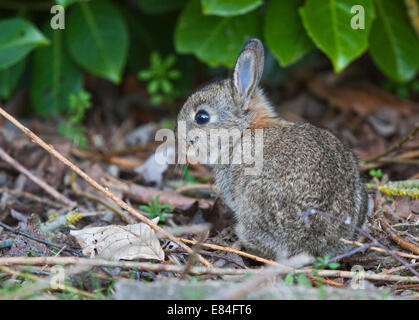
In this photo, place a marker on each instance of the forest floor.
(191, 251)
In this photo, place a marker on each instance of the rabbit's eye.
(202, 117)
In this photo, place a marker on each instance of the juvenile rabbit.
(303, 167)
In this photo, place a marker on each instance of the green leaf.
(97, 38)
(54, 76)
(140, 39)
(214, 40)
(229, 8)
(394, 46)
(328, 23)
(18, 38)
(160, 6)
(284, 32)
(9, 78)
(333, 265)
(289, 278)
(66, 3)
(303, 280)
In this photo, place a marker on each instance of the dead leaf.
(364, 99)
(406, 207)
(120, 242)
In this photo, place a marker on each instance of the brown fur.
(303, 167)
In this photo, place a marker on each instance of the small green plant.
(376, 173)
(155, 209)
(402, 90)
(324, 262)
(190, 178)
(73, 128)
(159, 77)
(302, 279)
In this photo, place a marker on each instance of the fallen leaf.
(364, 99)
(120, 242)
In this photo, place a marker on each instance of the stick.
(395, 147)
(92, 197)
(40, 183)
(397, 239)
(240, 253)
(311, 211)
(374, 248)
(32, 277)
(47, 243)
(31, 197)
(99, 187)
(141, 266)
(155, 267)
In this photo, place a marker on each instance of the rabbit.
(303, 167)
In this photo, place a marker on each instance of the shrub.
(104, 37)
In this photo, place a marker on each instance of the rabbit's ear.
(248, 71)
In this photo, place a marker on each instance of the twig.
(387, 161)
(397, 269)
(272, 272)
(240, 253)
(395, 147)
(375, 248)
(99, 187)
(397, 239)
(211, 254)
(201, 238)
(90, 196)
(155, 267)
(195, 186)
(47, 243)
(40, 183)
(30, 196)
(405, 286)
(141, 266)
(35, 278)
(329, 282)
(306, 214)
(251, 284)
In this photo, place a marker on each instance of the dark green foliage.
(160, 77)
(155, 209)
(104, 37)
(73, 127)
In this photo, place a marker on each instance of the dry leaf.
(120, 242)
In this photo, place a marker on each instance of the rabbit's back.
(303, 167)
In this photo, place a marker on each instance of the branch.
(395, 147)
(155, 267)
(238, 252)
(47, 243)
(99, 187)
(40, 183)
(306, 214)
